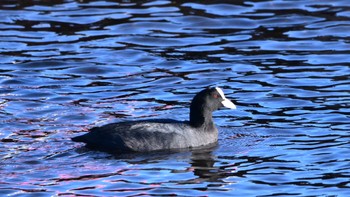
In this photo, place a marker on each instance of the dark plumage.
(151, 135)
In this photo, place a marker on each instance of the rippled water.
(67, 66)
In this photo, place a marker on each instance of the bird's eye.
(215, 96)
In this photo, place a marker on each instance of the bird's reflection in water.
(205, 167)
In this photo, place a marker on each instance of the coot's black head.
(204, 103)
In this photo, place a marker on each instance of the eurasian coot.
(151, 135)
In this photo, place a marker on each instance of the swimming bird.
(169, 134)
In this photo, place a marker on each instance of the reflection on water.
(70, 65)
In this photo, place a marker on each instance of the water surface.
(67, 66)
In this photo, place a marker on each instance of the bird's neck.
(201, 118)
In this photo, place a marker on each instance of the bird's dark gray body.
(151, 135)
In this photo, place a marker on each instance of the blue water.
(67, 66)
